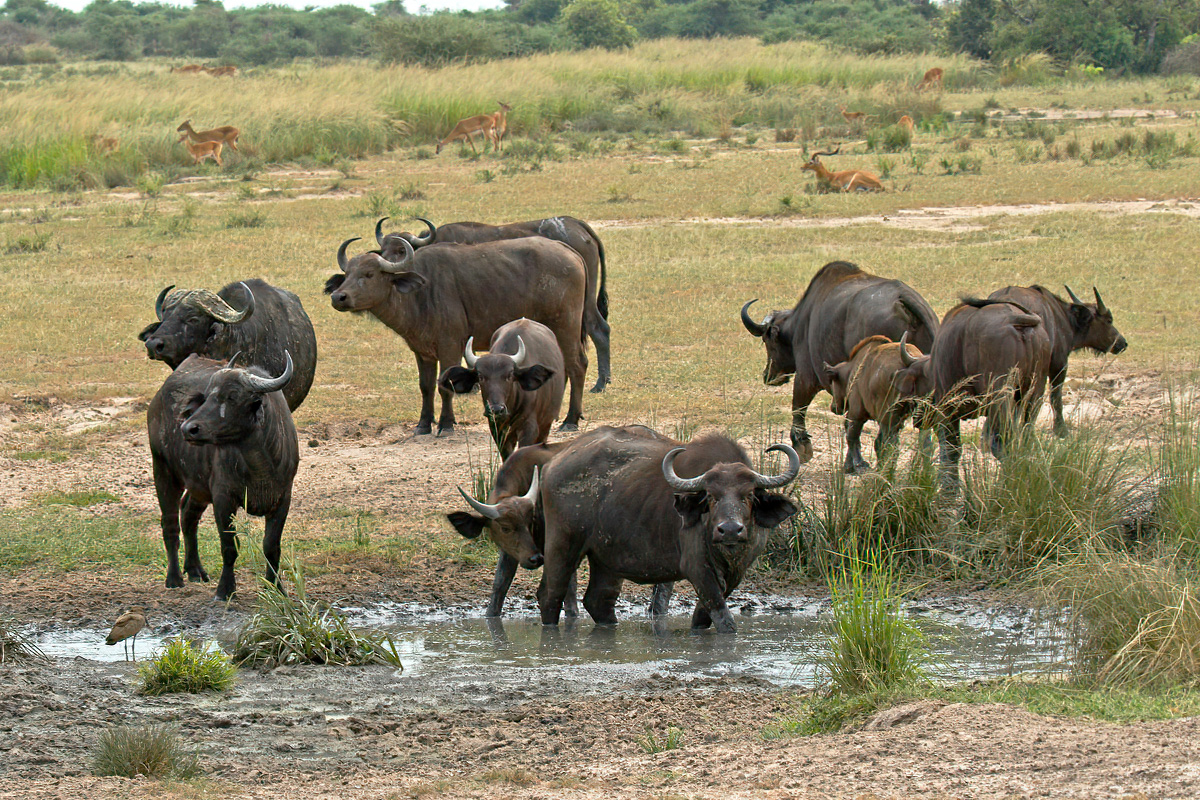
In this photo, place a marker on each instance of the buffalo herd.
(637, 505)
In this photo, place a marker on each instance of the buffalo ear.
(148, 330)
(532, 378)
(334, 282)
(406, 282)
(191, 405)
(771, 509)
(469, 525)
(459, 380)
(905, 381)
(691, 505)
(215, 331)
(1081, 317)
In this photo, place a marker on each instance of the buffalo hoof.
(803, 447)
(198, 576)
(1061, 430)
(599, 387)
(569, 426)
(424, 429)
(445, 429)
(859, 468)
(174, 581)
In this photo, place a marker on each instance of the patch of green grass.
(64, 537)
(87, 497)
(152, 751)
(652, 743)
(35, 242)
(253, 218)
(53, 456)
(184, 665)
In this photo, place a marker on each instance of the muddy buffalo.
(225, 436)
(841, 306)
(1071, 325)
(575, 233)
(616, 498)
(438, 297)
(863, 388)
(990, 357)
(521, 380)
(270, 321)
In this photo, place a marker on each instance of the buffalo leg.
(427, 378)
(949, 453)
(887, 439)
(802, 395)
(571, 602)
(557, 572)
(600, 599)
(192, 511)
(451, 358)
(272, 534)
(223, 511)
(660, 599)
(598, 330)
(855, 464)
(169, 490)
(1057, 379)
(506, 570)
(711, 596)
(576, 374)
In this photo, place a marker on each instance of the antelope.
(226, 134)
(906, 122)
(932, 77)
(127, 625)
(218, 72)
(853, 117)
(203, 150)
(192, 68)
(845, 180)
(500, 124)
(104, 144)
(484, 123)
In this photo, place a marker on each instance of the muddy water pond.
(779, 641)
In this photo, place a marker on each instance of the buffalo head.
(188, 321)
(389, 245)
(915, 377)
(781, 359)
(368, 279)
(730, 497)
(1093, 324)
(509, 522)
(228, 410)
(499, 376)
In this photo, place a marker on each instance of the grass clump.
(254, 218)
(154, 751)
(187, 666)
(16, 646)
(285, 630)
(671, 740)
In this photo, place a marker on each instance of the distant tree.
(598, 23)
(432, 40)
(708, 18)
(969, 25)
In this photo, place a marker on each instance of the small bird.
(126, 626)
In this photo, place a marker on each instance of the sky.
(412, 5)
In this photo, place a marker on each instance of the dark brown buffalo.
(575, 233)
(863, 388)
(441, 295)
(991, 358)
(1072, 325)
(271, 321)
(225, 436)
(615, 498)
(521, 380)
(841, 306)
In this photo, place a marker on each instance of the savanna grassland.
(686, 158)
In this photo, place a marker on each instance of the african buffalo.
(271, 321)
(841, 306)
(1072, 325)
(863, 388)
(224, 435)
(441, 295)
(521, 380)
(615, 497)
(575, 233)
(990, 357)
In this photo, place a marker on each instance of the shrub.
(433, 40)
(672, 740)
(15, 645)
(154, 751)
(253, 218)
(1183, 59)
(598, 23)
(895, 139)
(186, 666)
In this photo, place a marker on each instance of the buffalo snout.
(730, 530)
(192, 430)
(497, 411)
(1119, 345)
(535, 561)
(339, 300)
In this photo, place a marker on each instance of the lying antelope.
(845, 180)
(218, 72)
(932, 78)
(226, 134)
(481, 123)
(104, 144)
(192, 68)
(203, 150)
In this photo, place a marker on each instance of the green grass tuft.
(16, 646)
(184, 665)
(153, 751)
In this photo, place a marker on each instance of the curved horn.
(531, 495)
(1099, 302)
(469, 353)
(832, 152)
(379, 230)
(216, 307)
(342, 252)
(674, 481)
(785, 477)
(158, 304)
(1071, 294)
(235, 358)
(403, 264)
(519, 358)
(905, 359)
(491, 512)
(263, 385)
(751, 325)
(431, 234)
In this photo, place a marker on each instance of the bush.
(598, 23)
(895, 139)
(154, 751)
(186, 666)
(254, 218)
(432, 40)
(15, 645)
(1183, 59)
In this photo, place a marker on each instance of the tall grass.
(16, 645)
(154, 751)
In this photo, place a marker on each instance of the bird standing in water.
(126, 626)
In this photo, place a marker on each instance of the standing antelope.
(203, 150)
(481, 123)
(906, 122)
(226, 134)
(500, 125)
(845, 180)
(932, 78)
(854, 117)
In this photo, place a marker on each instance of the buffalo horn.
(216, 307)
(1099, 303)
(431, 234)
(1071, 294)
(784, 478)
(677, 483)
(379, 230)
(905, 359)
(469, 353)
(403, 264)
(491, 512)
(519, 358)
(263, 385)
(342, 252)
(531, 495)
(750, 324)
(229, 365)
(158, 304)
